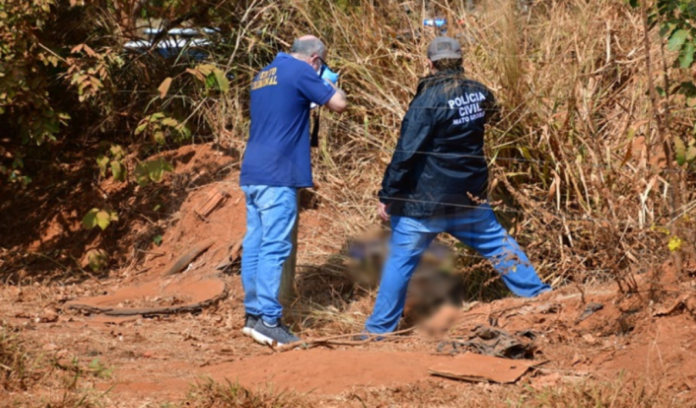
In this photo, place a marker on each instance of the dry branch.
(151, 311)
(335, 340)
(187, 258)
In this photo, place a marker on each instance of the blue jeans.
(477, 228)
(271, 217)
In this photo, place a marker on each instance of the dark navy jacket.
(438, 166)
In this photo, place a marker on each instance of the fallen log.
(187, 258)
(152, 311)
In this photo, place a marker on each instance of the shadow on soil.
(41, 236)
(329, 289)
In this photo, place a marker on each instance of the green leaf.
(184, 131)
(89, 221)
(210, 81)
(141, 175)
(691, 154)
(118, 171)
(661, 91)
(686, 58)
(157, 168)
(117, 152)
(157, 239)
(159, 137)
(222, 82)
(141, 128)
(676, 41)
(103, 219)
(102, 162)
(151, 171)
(97, 259)
(679, 150)
(171, 122)
(666, 29)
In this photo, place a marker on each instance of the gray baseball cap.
(444, 47)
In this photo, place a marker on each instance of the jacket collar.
(438, 77)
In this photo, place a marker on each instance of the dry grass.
(16, 371)
(587, 393)
(619, 393)
(30, 379)
(594, 393)
(210, 394)
(580, 190)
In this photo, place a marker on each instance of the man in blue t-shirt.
(276, 164)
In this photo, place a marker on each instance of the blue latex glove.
(436, 22)
(330, 76)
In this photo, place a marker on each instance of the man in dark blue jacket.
(437, 182)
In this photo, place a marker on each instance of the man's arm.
(415, 134)
(338, 102)
(321, 91)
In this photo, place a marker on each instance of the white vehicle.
(191, 40)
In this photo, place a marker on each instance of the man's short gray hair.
(308, 47)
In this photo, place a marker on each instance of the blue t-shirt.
(278, 150)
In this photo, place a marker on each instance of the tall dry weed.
(573, 161)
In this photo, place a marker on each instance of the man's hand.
(383, 211)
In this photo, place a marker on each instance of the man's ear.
(313, 59)
(431, 66)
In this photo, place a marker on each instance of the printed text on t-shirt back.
(265, 78)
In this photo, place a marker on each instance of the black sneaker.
(249, 324)
(277, 335)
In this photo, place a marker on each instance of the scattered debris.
(234, 252)
(214, 200)
(676, 306)
(490, 341)
(547, 308)
(590, 309)
(546, 381)
(477, 368)
(590, 339)
(204, 292)
(187, 258)
(49, 315)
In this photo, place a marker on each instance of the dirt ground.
(583, 335)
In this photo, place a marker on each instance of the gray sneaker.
(277, 335)
(249, 324)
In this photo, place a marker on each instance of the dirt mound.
(178, 271)
(41, 231)
(215, 212)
